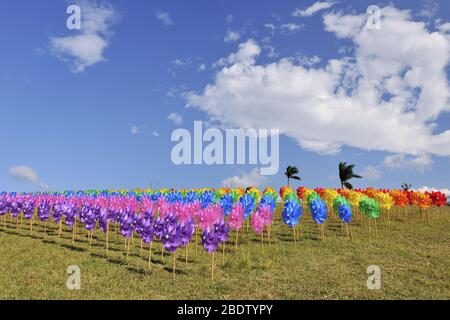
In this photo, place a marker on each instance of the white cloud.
(285, 28)
(288, 28)
(371, 172)
(232, 36)
(245, 55)
(182, 62)
(164, 17)
(314, 8)
(26, 174)
(308, 61)
(443, 27)
(201, 67)
(155, 133)
(87, 48)
(384, 97)
(252, 179)
(429, 9)
(135, 129)
(403, 161)
(175, 117)
(229, 18)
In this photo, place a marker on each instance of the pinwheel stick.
(196, 243)
(31, 225)
(149, 254)
(60, 227)
(212, 266)
(90, 239)
(142, 244)
(106, 237)
(73, 231)
(186, 254)
(128, 246)
(236, 240)
(295, 240)
(223, 253)
(174, 262)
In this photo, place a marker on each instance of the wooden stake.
(31, 225)
(212, 267)
(196, 242)
(128, 246)
(60, 228)
(223, 253)
(149, 254)
(107, 238)
(351, 233)
(174, 261)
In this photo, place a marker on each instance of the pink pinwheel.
(236, 217)
(258, 222)
(209, 216)
(164, 207)
(183, 211)
(266, 212)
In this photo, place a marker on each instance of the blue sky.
(95, 113)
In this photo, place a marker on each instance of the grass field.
(414, 259)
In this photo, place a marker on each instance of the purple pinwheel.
(146, 230)
(171, 237)
(28, 208)
(187, 229)
(126, 225)
(87, 217)
(210, 241)
(158, 227)
(15, 207)
(221, 230)
(44, 210)
(57, 212)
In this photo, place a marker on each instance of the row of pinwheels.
(173, 217)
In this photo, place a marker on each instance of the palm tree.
(406, 186)
(346, 173)
(291, 173)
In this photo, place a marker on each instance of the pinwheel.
(187, 230)
(248, 202)
(318, 210)
(226, 202)
(236, 219)
(343, 210)
(292, 212)
(222, 231)
(371, 209)
(44, 210)
(210, 242)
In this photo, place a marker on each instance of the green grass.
(414, 258)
